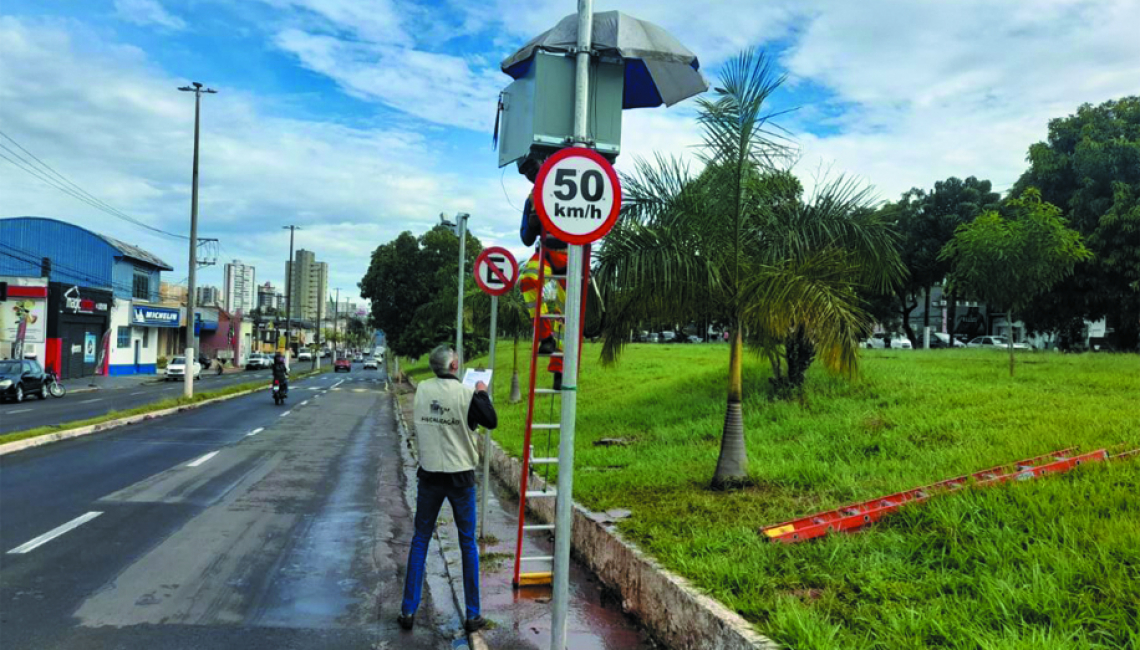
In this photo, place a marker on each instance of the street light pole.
(191, 339)
(336, 327)
(461, 230)
(292, 266)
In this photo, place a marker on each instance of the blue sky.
(357, 119)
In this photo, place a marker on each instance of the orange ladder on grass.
(542, 564)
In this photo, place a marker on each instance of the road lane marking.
(286, 412)
(138, 393)
(33, 544)
(202, 459)
(18, 411)
(303, 403)
(89, 401)
(338, 383)
(255, 431)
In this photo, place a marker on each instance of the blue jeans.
(429, 498)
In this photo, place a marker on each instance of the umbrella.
(658, 69)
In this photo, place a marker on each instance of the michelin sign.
(156, 316)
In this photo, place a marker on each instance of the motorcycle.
(52, 385)
(280, 391)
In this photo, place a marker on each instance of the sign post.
(496, 272)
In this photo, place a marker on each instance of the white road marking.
(338, 383)
(89, 401)
(286, 412)
(202, 459)
(52, 534)
(138, 393)
(255, 431)
(303, 403)
(18, 411)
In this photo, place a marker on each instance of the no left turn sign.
(577, 195)
(496, 271)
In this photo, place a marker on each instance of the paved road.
(239, 525)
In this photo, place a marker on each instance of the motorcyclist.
(281, 372)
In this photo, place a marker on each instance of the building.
(241, 287)
(102, 307)
(269, 299)
(208, 296)
(306, 285)
(172, 293)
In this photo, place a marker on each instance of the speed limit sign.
(577, 195)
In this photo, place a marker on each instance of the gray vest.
(444, 443)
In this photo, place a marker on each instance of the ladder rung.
(554, 316)
(543, 461)
(546, 391)
(539, 527)
(531, 494)
(551, 354)
(554, 277)
(537, 558)
(537, 578)
(545, 426)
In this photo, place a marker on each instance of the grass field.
(1053, 563)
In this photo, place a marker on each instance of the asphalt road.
(238, 525)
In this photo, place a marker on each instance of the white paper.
(473, 377)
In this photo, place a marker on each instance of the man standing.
(446, 414)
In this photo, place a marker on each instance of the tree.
(1010, 261)
(688, 247)
(1089, 166)
(926, 222)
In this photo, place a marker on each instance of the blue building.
(102, 305)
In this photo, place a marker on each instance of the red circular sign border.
(539, 207)
(483, 258)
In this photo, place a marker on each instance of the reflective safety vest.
(444, 443)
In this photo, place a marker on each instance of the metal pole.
(336, 329)
(317, 352)
(289, 291)
(462, 218)
(487, 432)
(191, 339)
(564, 503)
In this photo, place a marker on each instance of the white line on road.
(138, 393)
(303, 403)
(255, 431)
(18, 411)
(52, 534)
(202, 459)
(89, 401)
(286, 413)
(338, 383)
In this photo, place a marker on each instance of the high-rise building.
(269, 298)
(207, 296)
(306, 285)
(241, 287)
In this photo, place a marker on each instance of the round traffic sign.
(496, 271)
(577, 195)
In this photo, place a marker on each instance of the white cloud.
(147, 12)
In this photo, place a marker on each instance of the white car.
(304, 355)
(371, 364)
(176, 369)
(995, 342)
(947, 342)
(879, 341)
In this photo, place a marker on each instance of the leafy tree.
(688, 247)
(1090, 167)
(1010, 261)
(926, 222)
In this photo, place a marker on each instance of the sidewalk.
(521, 619)
(101, 382)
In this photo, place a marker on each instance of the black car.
(18, 379)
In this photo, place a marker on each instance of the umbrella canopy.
(658, 69)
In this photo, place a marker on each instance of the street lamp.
(461, 231)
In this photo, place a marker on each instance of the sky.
(358, 119)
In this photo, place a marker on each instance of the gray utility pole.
(487, 432)
(564, 503)
(317, 352)
(289, 290)
(191, 339)
(462, 232)
(336, 330)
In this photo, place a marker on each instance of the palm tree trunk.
(516, 394)
(732, 466)
(1009, 317)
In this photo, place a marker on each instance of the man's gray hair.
(440, 360)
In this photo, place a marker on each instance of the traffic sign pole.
(487, 432)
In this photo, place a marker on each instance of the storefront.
(136, 327)
(77, 333)
(23, 318)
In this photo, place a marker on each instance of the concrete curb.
(673, 611)
(48, 438)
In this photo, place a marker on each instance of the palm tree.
(737, 242)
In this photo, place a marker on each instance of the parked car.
(342, 364)
(18, 379)
(938, 340)
(177, 369)
(996, 342)
(371, 364)
(882, 340)
(668, 337)
(654, 337)
(359, 358)
(304, 355)
(258, 361)
(694, 339)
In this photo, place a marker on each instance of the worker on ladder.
(550, 330)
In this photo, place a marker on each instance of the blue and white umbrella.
(658, 69)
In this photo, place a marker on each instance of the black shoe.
(547, 346)
(475, 624)
(557, 381)
(406, 621)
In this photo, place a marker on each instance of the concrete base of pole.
(926, 338)
(188, 378)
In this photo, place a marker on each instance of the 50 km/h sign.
(577, 195)
(496, 271)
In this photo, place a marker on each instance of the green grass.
(141, 410)
(1054, 563)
